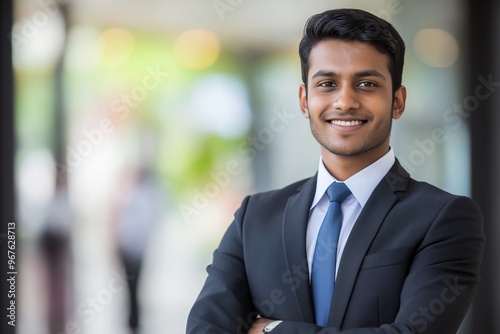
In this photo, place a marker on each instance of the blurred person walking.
(137, 210)
(55, 245)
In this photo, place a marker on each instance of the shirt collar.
(360, 184)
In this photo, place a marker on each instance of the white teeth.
(346, 123)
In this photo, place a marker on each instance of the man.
(406, 258)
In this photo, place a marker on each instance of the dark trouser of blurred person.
(133, 267)
(55, 248)
(136, 209)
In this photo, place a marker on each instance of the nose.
(346, 99)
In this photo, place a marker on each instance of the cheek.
(317, 105)
(381, 108)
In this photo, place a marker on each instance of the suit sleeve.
(441, 280)
(225, 303)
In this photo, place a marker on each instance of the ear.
(303, 100)
(399, 102)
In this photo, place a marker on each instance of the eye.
(367, 84)
(326, 84)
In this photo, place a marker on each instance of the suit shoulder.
(422, 186)
(281, 192)
(406, 187)
(430, 193)
(270, 205)
(277, 197)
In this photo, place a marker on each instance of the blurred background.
(140, 126)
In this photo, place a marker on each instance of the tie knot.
(337, 192)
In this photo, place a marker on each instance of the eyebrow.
(361, 74)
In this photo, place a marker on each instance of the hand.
(258, 325)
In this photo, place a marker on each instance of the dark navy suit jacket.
(410, 265)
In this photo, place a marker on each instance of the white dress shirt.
(361, 186)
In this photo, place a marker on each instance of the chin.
(345, 151)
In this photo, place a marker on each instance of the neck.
(342, 167)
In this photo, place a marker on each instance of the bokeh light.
(116, 46)
(436, 47)
(219, 105)
(197, 49)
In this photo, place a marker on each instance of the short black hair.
(354, 25)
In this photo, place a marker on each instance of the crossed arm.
(435, 296)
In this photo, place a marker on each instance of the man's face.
(349, 100)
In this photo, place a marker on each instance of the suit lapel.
(364, 231)
(295, 220)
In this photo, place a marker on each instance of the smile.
(346, 123)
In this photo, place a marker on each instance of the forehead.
(345, 57)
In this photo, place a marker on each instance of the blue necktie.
(325, 253)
